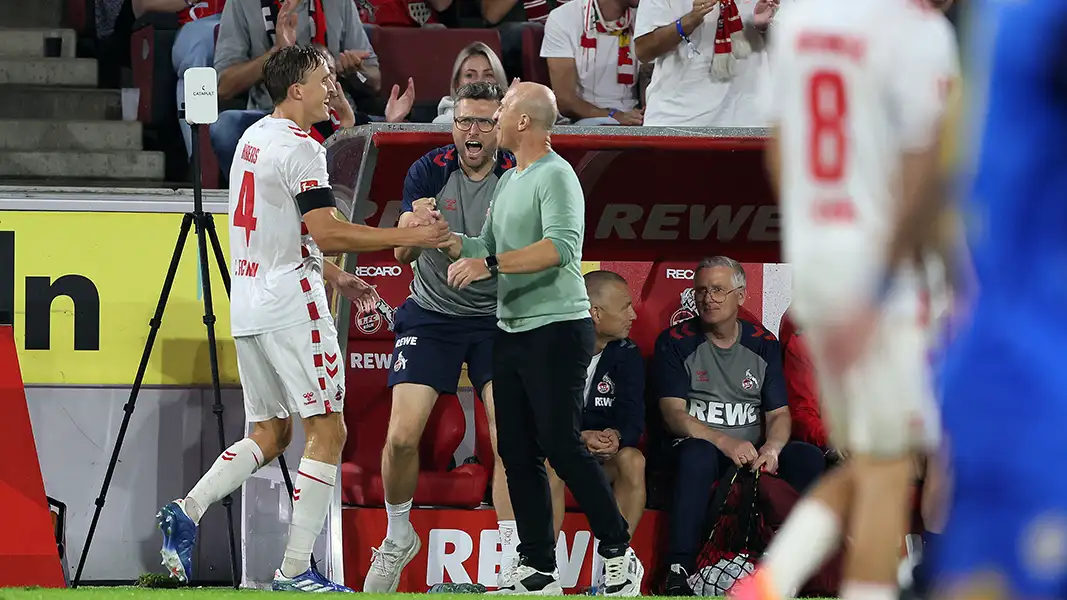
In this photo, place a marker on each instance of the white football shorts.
(884, 405)
(296, 370)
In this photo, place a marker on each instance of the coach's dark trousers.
(538, 387)
(699, 465)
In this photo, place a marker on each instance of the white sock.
(864, 590)
(230, 470)
(312, 492)
(399, 529)
(509, 541)
(808, 537)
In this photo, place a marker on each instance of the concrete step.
(46, 134)
(30, 42)
(37, 102)
(106, 184)
(105, 165)
(32, 13)
(49, 71)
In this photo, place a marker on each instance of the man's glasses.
(484, 125)
(717, 294)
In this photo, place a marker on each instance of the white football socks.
(508, 532)
(862, 590)
(809, 536)
(229, 471)
(312, 492)
(399, 530)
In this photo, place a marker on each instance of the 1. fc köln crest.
(688, 308)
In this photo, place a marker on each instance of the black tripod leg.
(154, 324)
(203, 223)
(220, 259)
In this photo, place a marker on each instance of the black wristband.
(492, 264)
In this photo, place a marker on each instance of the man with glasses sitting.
(439, 328)
(722, 394)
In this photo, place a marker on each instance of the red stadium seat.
(367, 418)
(534, 68)
(153, 75)
(153, 72)
(77, 15)
(425, 55)
(483, 443)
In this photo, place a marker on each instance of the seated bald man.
(613, 417)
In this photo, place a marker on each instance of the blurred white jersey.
(856, 85)
(276, 265)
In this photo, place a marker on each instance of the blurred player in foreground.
(859, 93)
(282, 220)
(1005, 400)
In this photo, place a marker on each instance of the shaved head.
(611, 306)
(597, 282)
(537, 102)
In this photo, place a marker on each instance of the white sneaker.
(531, 582)
(387, 562)
(623, 575)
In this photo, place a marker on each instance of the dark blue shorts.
(431, 347)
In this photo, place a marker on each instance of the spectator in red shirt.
(802, 388)
(194, 45)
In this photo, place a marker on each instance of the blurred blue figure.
(1005, 373)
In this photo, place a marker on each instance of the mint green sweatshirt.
(544, 201)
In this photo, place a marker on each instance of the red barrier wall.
(28, 552)
(461, 546)
(647, 198)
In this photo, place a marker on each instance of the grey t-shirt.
(729, 389)
(243, 37)
(464, 203)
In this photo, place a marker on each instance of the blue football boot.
(179, 537)
(308, 581)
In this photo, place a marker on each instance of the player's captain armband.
(314, 198)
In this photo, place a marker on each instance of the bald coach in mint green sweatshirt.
(544, 201)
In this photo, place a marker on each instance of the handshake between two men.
(462, 272)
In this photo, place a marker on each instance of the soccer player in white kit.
(859, 91)
(282, 220)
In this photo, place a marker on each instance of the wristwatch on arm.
(491, 264)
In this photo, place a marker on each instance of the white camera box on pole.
(201, 96)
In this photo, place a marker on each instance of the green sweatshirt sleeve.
(563, 213)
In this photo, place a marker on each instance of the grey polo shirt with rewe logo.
(729, 389)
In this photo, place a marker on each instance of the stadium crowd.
(610, 62)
